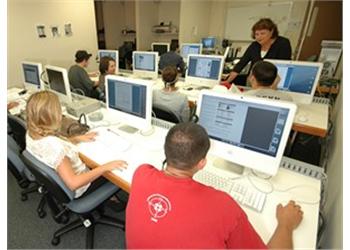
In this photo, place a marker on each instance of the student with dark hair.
(170, 97)
(264, 81)
(267, 45)
(168, 209)
(79, 78)
(172, 58)
(107, 67)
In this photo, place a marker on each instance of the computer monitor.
(204, 70)
(111, 53)
(130, 100)
(190, 48)
(246, 131)
(58, 82)
(209, 43)
(145, 64)
(161, 48)
(31, 75)
(298, 78)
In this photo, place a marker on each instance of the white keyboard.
(243, 194)
(162, 124)
(213, 180)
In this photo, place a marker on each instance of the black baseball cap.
(82, 55)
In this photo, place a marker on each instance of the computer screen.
(58, 82)
(127, 97)
(161, 48)
(190, 48)
(208, 42)
(204, 70)
(249, 131)
(300, 78)
(145, 64)
(110, 53)
(32, 73)
(144, 61)
(130, 99)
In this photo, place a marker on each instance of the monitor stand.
(228, 166)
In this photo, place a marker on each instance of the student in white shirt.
(264, 81)
(43, 141)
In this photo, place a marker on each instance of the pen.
(109, 130)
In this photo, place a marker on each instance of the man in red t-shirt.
(168, 209)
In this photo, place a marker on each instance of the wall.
(194, 20)
(146, 17)
(168, 11)
(118, 15)
(217, 18)
(332, 237)
(23, 41)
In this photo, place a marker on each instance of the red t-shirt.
(168, 212)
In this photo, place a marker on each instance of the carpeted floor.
(25, 230)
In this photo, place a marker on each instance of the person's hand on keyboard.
(11, 105)
(289, 216)
(120, 165)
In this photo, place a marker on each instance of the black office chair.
(16, 143)
(164, 113)
(84, 206)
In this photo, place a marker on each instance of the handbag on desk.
(71, 127)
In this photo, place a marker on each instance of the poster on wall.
(40, 28)
(68, 29)
(55, 31)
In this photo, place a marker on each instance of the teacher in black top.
(268, 44)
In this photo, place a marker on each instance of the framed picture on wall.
(68, 29)
(55, 31)
(40, 28)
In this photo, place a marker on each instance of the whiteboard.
(240, 20)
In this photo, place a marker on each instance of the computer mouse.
(302, 118)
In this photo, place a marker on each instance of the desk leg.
(291, 143)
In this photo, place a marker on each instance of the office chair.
(16, 143)
(164, 113)
(84, 206)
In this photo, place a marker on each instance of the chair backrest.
(18, 129)
(164, 113)
(48, 177)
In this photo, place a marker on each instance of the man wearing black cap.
(79, 78)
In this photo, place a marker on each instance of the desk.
(149, 150)
(316, 113)
(264, 223)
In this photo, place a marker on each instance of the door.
(325, 24)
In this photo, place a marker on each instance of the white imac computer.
(246, 131)
(131, 102)
(298, 78)
(161, 48)
(204, 71)
(209, 43)
(58, 82)
(190, 48)
(145, 64)
(111, 53)
(32, 75)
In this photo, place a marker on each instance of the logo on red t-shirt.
(158, 206)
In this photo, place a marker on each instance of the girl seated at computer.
(107, 67)
(43, 141)
(170, 97)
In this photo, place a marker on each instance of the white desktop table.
(150, 150)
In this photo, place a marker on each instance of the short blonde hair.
(44, 114)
